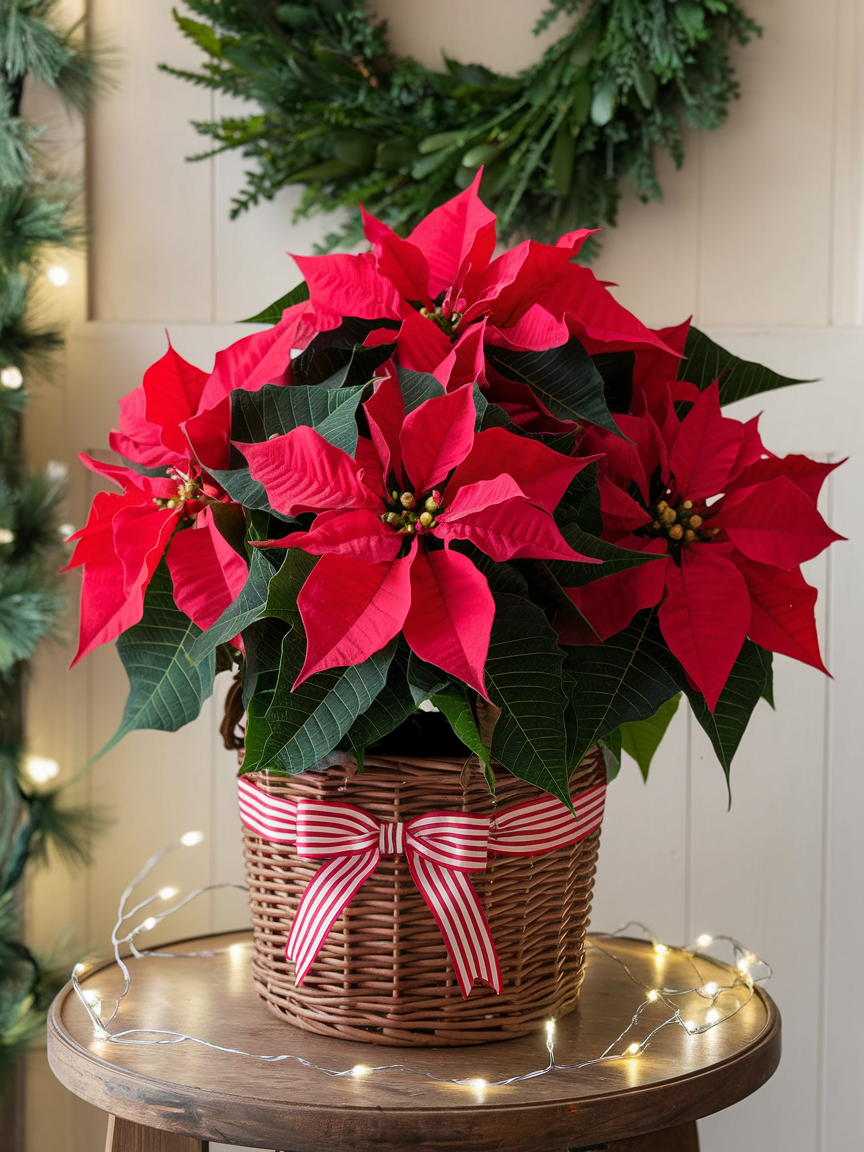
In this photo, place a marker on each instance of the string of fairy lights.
(719, 1001)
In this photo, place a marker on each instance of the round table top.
(235, 1098)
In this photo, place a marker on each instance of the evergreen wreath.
(340, 113)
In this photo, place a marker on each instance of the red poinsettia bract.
(735, 522)
(385, 520)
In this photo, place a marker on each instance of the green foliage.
(523, 673)
(641, 738)
(166, 689)
(566, 380)
(37, 213)
(622, 681)
(747, 683)
(706, 362)
(336, 110)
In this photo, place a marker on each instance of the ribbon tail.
(330, 891)
(460, 918)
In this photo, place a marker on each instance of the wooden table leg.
(126, 1136)
(684, 1138)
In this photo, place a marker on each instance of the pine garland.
(340, 113)
(37, 213)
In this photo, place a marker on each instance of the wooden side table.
(176, 1097)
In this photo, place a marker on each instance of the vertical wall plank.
(151, 212)
(641, 867)
(757, 875)
(765, 199)
(847, 240)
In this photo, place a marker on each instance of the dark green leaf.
(361, 366)
(166, 690)
(616, 368)
(241, 613)
(240, 486)
(625, 679)
(454, 703)
(743, 690)
(272, 314)
(523, 676)
(565, 379)
(417, 387)
(641, 738)
(334, 350)
(768, 690)
(307, 722)
(390, 708)
(424, 680)
(564, 616)
(263, 643)
(576, 573)
(286, 584)
(276, 409)
(580, 504)
(706, 362)
(610, 746)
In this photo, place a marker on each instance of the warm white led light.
(709, 989)
(479, 1084)
(653, 994)
(93, 1000)
(190, 839)
(660, 949)
(79, 968)
(550, 1029)
(713, 1016)
(149, 923)
(11, 377)
(41, 769)
(167, 893)
(690, 1026)
(634, 1049)
(6, 535)
(56, 471)
(360, 1070)
(64, 531)
(58, 275)
(704, 940)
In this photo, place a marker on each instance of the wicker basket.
(383, 975)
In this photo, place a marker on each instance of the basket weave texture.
(383, 975)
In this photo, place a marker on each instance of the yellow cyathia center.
(188, 488)
(447, 324)
(682, 524)
(404, 516)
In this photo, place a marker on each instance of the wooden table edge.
(217, 1115)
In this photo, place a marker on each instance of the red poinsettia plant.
(452, 500)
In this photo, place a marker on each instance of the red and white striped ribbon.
(441, 848)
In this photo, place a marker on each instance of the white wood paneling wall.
(761, 237)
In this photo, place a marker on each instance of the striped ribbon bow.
(441, 848)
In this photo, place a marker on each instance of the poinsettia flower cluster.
(387, 564)
(734, 523)
(127, 535)
(439, 529)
